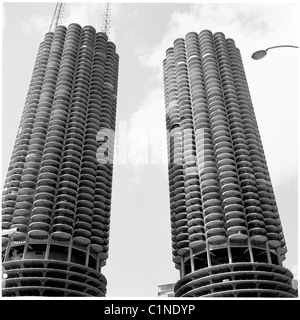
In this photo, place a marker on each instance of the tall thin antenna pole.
(106, 19)
(57, 16)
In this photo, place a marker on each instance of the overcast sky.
(140, 255)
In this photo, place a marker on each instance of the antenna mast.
(106, 19)
(57, 16)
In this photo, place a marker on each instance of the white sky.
(140, 238)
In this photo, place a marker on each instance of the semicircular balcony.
(43, 203)
(216, 236)
(230, 179)
(231, 200)
(213, 213)
(47, 183)
(80, 224)
(182, 247)
(225, 168)
(234, 215)
(210, 175)
(214, 224)
(82, 233)
(40, 217)
(47, 161)
(45, 195)
(18, 212)
(21, 220)
(233, 207)
(89, 211)
(86, 196)
(74, 125)
(68, 172)
(245, 169)
(64, 190)
(62, 227)
(240, 157)
(64, 212)
(226, 153)
(195, 220)
(213, 195)
(237, 233)
(84, 217)
(61, 236)
(47, 176)
(252, 224)
(49, 169)
(230, 192)
(68, 164)
(39, 226)
(235, 219)
(64, 204)
(258, 234)
(274, 240)
(67, 184)
(56, 128)
(223, 141)
(85, 203)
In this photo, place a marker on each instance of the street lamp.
(262, 53)
(9, 232)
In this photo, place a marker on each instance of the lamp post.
(262, 53)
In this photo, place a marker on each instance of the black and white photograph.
(150, 151)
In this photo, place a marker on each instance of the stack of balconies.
(57, 194)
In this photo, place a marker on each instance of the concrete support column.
(208, 255)
(250, 251)
(70, 251)
(279, 259)
(229, 251)
(192, 261)
(98, 263)
(87, 255)
(268, 253)
(181, 268)
(25, 247)
(48, 248)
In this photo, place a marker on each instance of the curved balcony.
(62, 230)
(216, 236)
(40, 227)
(40, 217)
(64, 205)
(64, 212)
(258, 234)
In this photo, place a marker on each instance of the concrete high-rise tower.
(226, 233)
(58, 188)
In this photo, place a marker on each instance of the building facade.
(227, 236)
(166, 290)
(58, 188)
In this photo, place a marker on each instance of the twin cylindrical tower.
(57, 192)
(225, 222)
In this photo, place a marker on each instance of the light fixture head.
(259, 54)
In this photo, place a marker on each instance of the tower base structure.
(233, 270)
(52, 267)
(241, 279)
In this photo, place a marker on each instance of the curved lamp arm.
(262, 53)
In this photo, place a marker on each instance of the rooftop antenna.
(106, 19)
(57, 16)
